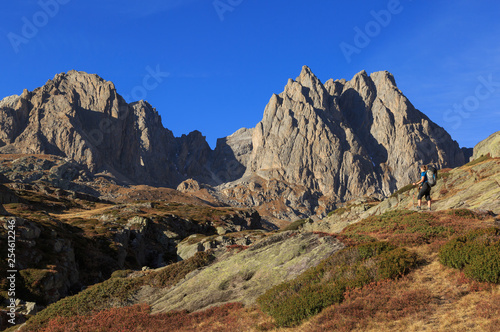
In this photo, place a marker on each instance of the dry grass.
(228, 317)
(431, 298)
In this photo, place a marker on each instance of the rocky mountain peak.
(317, 144)
(381, 78)
(342, 139)
(308, 79)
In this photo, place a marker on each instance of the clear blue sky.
(226, 58)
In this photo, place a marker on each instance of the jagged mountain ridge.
(81, 116)
(317, 143)
(336, 141)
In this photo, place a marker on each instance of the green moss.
(478, 160)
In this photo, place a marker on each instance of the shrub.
(400, 227)
(444, 173)
(31, 284)
(172, 274)
(116, 291)
(338, 211)
(395, 263)
(295, 225)
(478, 160)
(293, 301)
(139, 318)
(464, 213)
(406, 188)
(384, 301)
(477, 253)
(121, 273)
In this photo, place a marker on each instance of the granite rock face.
(317, 144)
(337, 141)
(490, 145)
(81, 117)
(397, 136)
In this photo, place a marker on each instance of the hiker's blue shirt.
(424, 174)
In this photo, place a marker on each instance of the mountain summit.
(337, 141)
(317, 144)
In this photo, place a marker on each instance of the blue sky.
(217, 63)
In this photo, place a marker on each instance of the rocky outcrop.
(243, 276)
(490, 145)
(75, 115)
(217, 244)
(397, 136)
(475, 187)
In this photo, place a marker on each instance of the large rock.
(246, 275)
(490, 146)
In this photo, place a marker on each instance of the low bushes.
(31, 284)
(172, 274)
(400, 227)
(478, 160)
(338, 211)
(116, 292)
(295, 225)
(477, 253)
(139, 318)
(464, 213)
(317, 288)
(406, 188)
(385, 301)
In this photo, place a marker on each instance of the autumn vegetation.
(401, 270)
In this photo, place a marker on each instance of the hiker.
(425, 188)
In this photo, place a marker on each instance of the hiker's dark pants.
(425, 191)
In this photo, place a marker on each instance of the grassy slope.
(430, 297)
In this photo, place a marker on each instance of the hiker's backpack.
(432, 175)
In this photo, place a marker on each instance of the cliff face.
(490, 145)
(325, 143)
(82, 117)
(316, 145)
(75, 115)
(397, 136)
